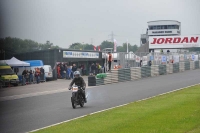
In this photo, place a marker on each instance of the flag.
(99, 48)
(115, 45)
(95, 48)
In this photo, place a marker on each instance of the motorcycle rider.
(79, 81)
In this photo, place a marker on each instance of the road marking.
(112, 108)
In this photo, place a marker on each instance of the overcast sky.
(64, 22)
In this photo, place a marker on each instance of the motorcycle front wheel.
(73, 100)
(81, 101)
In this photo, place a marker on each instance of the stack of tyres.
(99, 81)
(169, 68)
(148, 71)
(108, 78)
(176, 68)
(187, 65)
(91, 81)
(127, 73)
(121, 75)
(115, 75)
(196, 64)
(182, 66)
(191, 65)
(135, 73)
(143, 71)
(199, 63)
(154, 70)
(161, 71)
(165, 69)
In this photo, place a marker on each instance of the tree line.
(103, 45)
(17, 45)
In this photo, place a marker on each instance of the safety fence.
(135, 73)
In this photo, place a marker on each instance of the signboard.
(164, 59)
(144, 60)
(137, 59)
(77, 54)
(151, 58)
(181, 57)
(174, 41)
(196, 58)
(176, 58)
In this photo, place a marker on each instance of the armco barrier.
(134, 73)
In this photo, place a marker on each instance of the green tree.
(106, 44)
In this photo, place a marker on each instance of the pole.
(127, 45)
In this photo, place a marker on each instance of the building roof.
(163, 20)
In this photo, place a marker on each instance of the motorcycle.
(77, 98)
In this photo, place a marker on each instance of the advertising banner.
(181, 57)
(78, 54)
(159, 42)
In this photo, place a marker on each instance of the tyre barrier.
(135, 73)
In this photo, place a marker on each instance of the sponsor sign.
(144, 60)
(176, 58)
(164, 58)
(174, 41)
(181, 57)
(77, 54)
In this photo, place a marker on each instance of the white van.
(48, 71)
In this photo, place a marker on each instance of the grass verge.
(176, 112)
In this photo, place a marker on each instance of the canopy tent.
(15, 62)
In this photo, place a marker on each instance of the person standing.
(37, 75)
(109, 61)
(31, 76)
(74, 68)
(24, 73)
(93, 69)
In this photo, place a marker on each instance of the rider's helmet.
(76, 74)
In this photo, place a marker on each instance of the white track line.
(111, 108)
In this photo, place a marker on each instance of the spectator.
(30, 76)
(69, 71)
(37, 75)
(24, 73)
(109, 61)
(79, 69)
(150, 63)
(93, 68)
(82, 68)
(140, 63)
(58, 71)
(74, 68)
(42, 74)
(62, 70)
(16, 70)
(27, 76)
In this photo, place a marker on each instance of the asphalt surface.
(37, 111)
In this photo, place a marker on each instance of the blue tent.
(35, 62)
